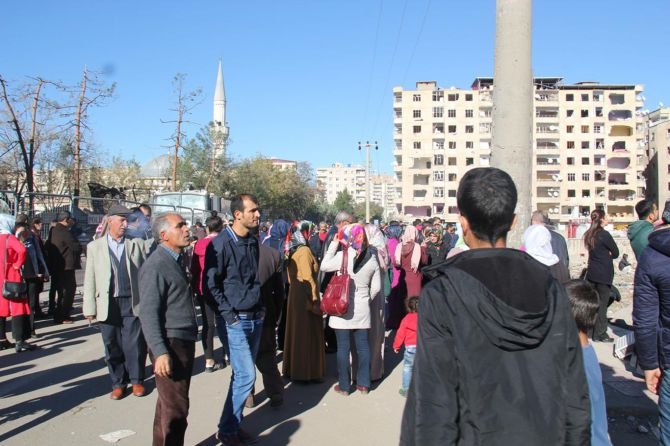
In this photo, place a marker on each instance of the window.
(416, 129)
(586, 193)
(438, 175)
(585, 113)
(571, 161)
(438, 112)
(452, 129)
(597, 128)
(586, 177)
(438, 145)
(469, 129)
(599, 111)
(438, 192)
(468, 97)
(452, 97)
(570, 129)
(469, 144)
(571, 144)
(416, 113)
(572, 193)
(570, 113)
(438, 160)
(586, 144)
(452, 161)
(585, 97)
(452, 177)
(452, 144)
(451, 113)
(438, 96)
(585, 129)
(469, 113)
(416, 98)
(452, 193)
(469, 161)
(417, 144)
(570, 97)
(571, 177)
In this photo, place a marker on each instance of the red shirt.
(198, 262)
(407, 332)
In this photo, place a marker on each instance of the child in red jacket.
(407, 335)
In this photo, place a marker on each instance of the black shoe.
(603, 338)
(23, 347)
(5, 344)
(213, 368)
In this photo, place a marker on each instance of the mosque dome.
(156, 167)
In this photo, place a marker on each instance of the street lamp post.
(367, 146)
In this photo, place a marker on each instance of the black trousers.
(67, 285)
(34, 288)
(20, 328)
(125, 347)
(600, 327)
(170, 418)
(207, 309)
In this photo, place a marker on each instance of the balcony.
(544, 146)
(546, 96)
(618, 163)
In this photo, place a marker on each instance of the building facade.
(334, 179)
(383, 192)
(588, 147)
(658, 147)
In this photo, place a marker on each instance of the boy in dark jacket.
(498, 358)
(651, 317)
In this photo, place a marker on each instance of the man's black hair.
(643, 208)
(237, 203)
(214, 224)
(487, 197)
(583, 299)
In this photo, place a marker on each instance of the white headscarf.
(7, 222)
(537, 241)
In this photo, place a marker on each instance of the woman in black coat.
(600, 270)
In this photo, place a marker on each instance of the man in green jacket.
(638, 232)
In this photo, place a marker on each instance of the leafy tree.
(376, 211)
(344, 201)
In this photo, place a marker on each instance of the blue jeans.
(343, 352)
(243, 340)
(664, 407)
(407, 365)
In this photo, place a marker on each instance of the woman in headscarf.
(364, 272)
(395, 301)
(279, 233)
(408, 257)
(12, 257)
(434, 246)
(537, 243)
(304, 356)
(377, 320)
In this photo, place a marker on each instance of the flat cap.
(118, 209)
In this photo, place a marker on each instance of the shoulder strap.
(345, 260)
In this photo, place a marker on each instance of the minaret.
(219, 127)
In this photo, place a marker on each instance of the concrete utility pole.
(367, 146)
(512, 141)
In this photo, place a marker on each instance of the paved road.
(59, 394)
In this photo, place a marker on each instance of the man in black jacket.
(231, 276)
(64, 259)
(498, 358)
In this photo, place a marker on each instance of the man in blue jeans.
(231, 265)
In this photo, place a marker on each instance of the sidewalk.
(59, 394)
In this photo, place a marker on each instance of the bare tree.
(185, 103)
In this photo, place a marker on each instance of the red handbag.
(335, 300)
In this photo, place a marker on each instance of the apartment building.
(383, 192)
(334, 179)
(658, 149)
(588, 147)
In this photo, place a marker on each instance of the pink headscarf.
(408, 241)
(354, 236)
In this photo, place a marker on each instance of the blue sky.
(307, 80)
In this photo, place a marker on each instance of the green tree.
(376, 211)
(344, 201)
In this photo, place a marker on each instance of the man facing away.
(498, 357)
(111, 294)
(167, 313)
(638, 232)
(231, 275)
(64, 259)
(558, 244)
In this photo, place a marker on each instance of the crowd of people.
(452, 296)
